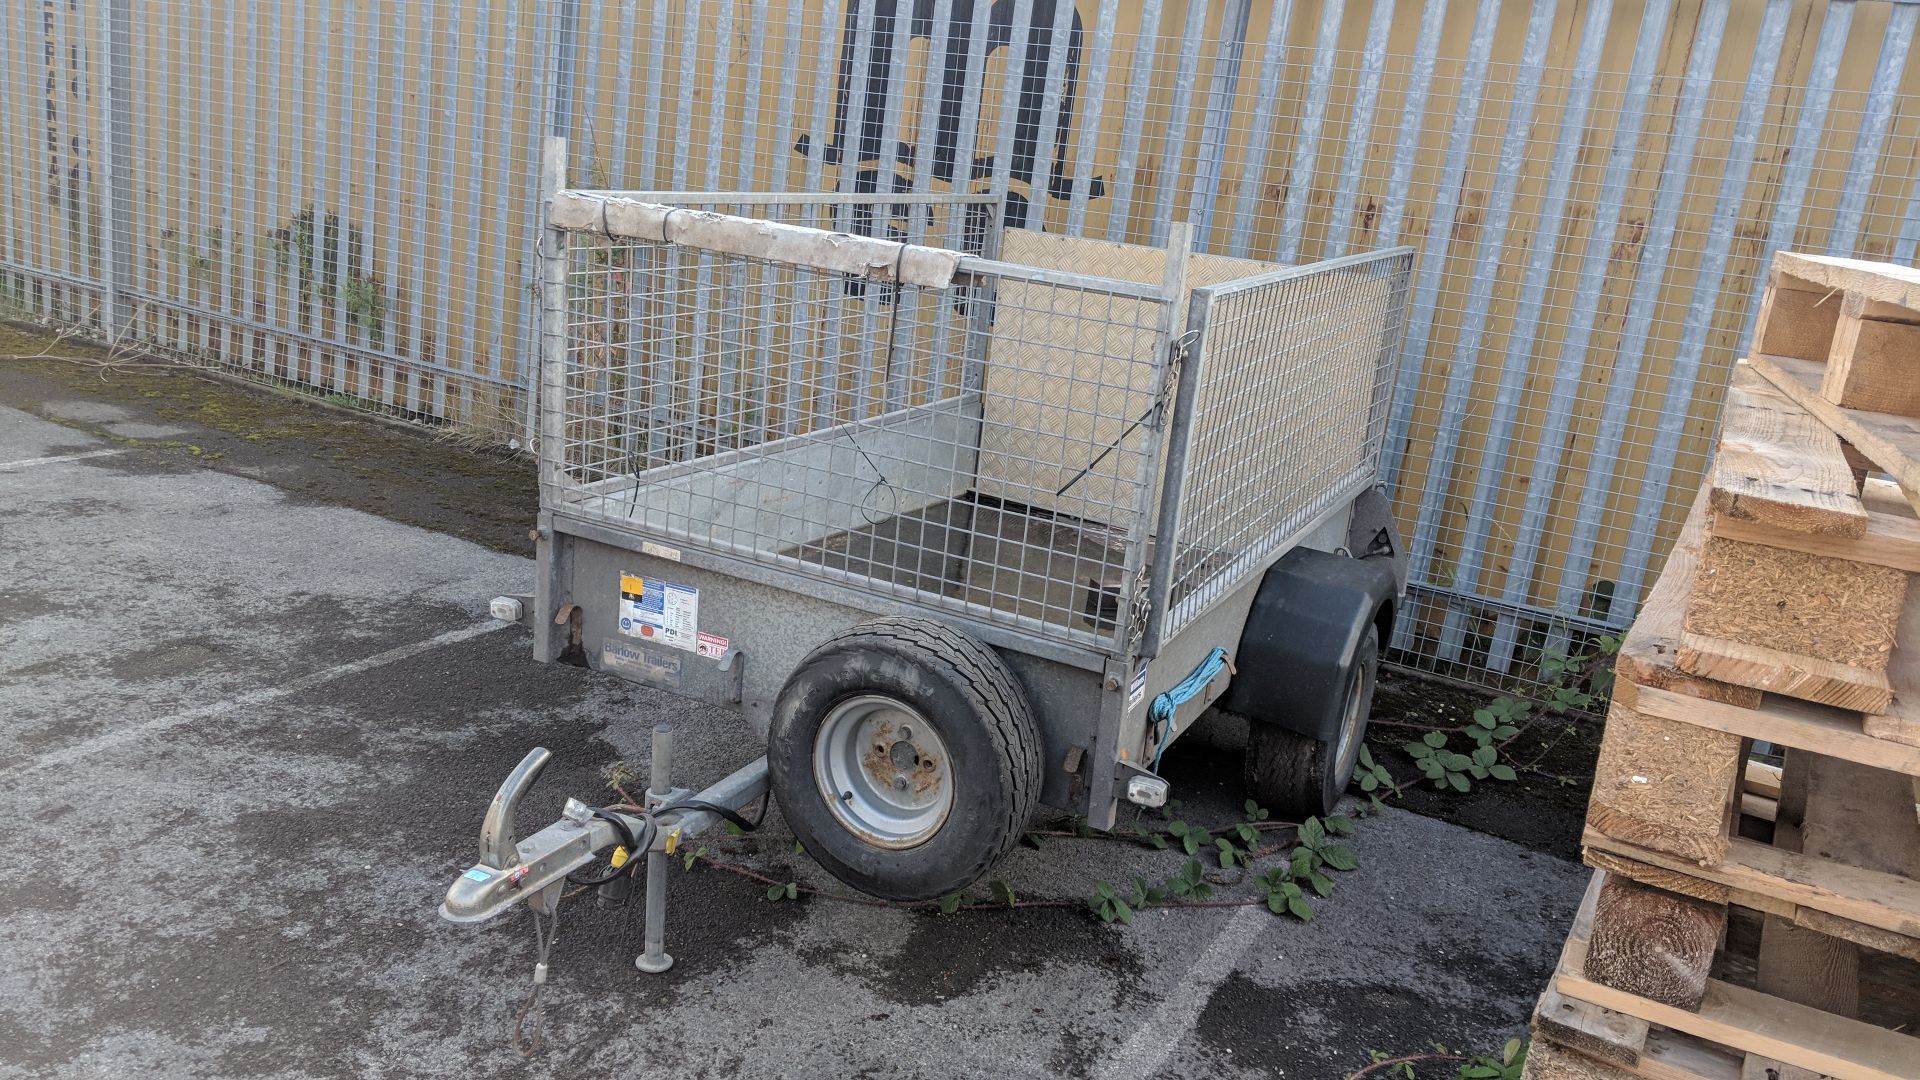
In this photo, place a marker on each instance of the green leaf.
(1453, 762)
(950, 903)
(1176, 828)
(1434, 739)
(1459, 782)
(776, 892)
(1001, 891)
(798, 849)
(1368, 783)
(1032, 840)
(1301, 910)
(1477, 771)
(1433, 769)
(1312, 833)
(1508, 1051)
(1339, 824)
(1485, 755)
(793, 890)
(735, 830)
(1339, 856)
(1485, 718)
(1322, 884)
(1301, 862)
(1191, 843)
(1505, 732)
(1249, 835)
(1122, 912)
(1502, 772)
(1418, 751)
(1276, 903)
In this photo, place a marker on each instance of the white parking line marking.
(27, 463)
(121, 736)
(1153, 1042)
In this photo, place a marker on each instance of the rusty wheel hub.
(883, 770)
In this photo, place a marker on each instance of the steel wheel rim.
(1346, 753)
(883, 771)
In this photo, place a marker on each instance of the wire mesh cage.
(893, 395)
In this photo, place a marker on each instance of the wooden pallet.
(1585, 1029)
(1794, 593)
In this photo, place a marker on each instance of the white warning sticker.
(712, 645)
(1138, 689)
(660, 611)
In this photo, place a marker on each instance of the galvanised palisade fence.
(344, 194)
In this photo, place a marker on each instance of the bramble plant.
(1507, 1065)
(1570, 683)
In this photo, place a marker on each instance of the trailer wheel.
(1298, 776)
(904, 756)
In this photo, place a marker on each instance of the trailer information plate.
(660, 611)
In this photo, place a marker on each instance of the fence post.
(115, 177)
(1213, 134)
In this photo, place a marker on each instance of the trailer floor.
(249, 735)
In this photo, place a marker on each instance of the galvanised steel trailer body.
(968, 520)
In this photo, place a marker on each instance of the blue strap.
(1161, 711)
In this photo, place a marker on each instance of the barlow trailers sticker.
(649, 665)
(660, 611)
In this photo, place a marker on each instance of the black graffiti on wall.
(860, 140)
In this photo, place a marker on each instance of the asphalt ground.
(249, 735)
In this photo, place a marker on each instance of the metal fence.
(343, 194)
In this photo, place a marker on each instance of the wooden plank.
(1669, 1055)
(1858, 816)
(1687, 881)
(1762, 779)
(1649, 654)
(1652, 943)
(1889, 541)
(1874, 363)
(1789, 722)
(1756, 874)
(1778, 466)
(1548, 1060)
(1748, 1020)
(1797, 319)
(1596, 1032)
(1888, 283)
(1893, 442)
(1777, 671)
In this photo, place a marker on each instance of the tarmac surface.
(249, 737)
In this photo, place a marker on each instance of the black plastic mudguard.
(1298, 645)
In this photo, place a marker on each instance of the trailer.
(966, 520)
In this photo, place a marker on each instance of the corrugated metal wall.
(343, 195)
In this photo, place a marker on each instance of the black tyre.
(1297, 776)
(904, 757)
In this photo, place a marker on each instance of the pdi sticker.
(660, 611)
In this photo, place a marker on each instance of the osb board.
(1070, 371)
(1796, 602)
(1664, 784)
(1649, 655)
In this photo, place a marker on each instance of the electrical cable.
(638, 844)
